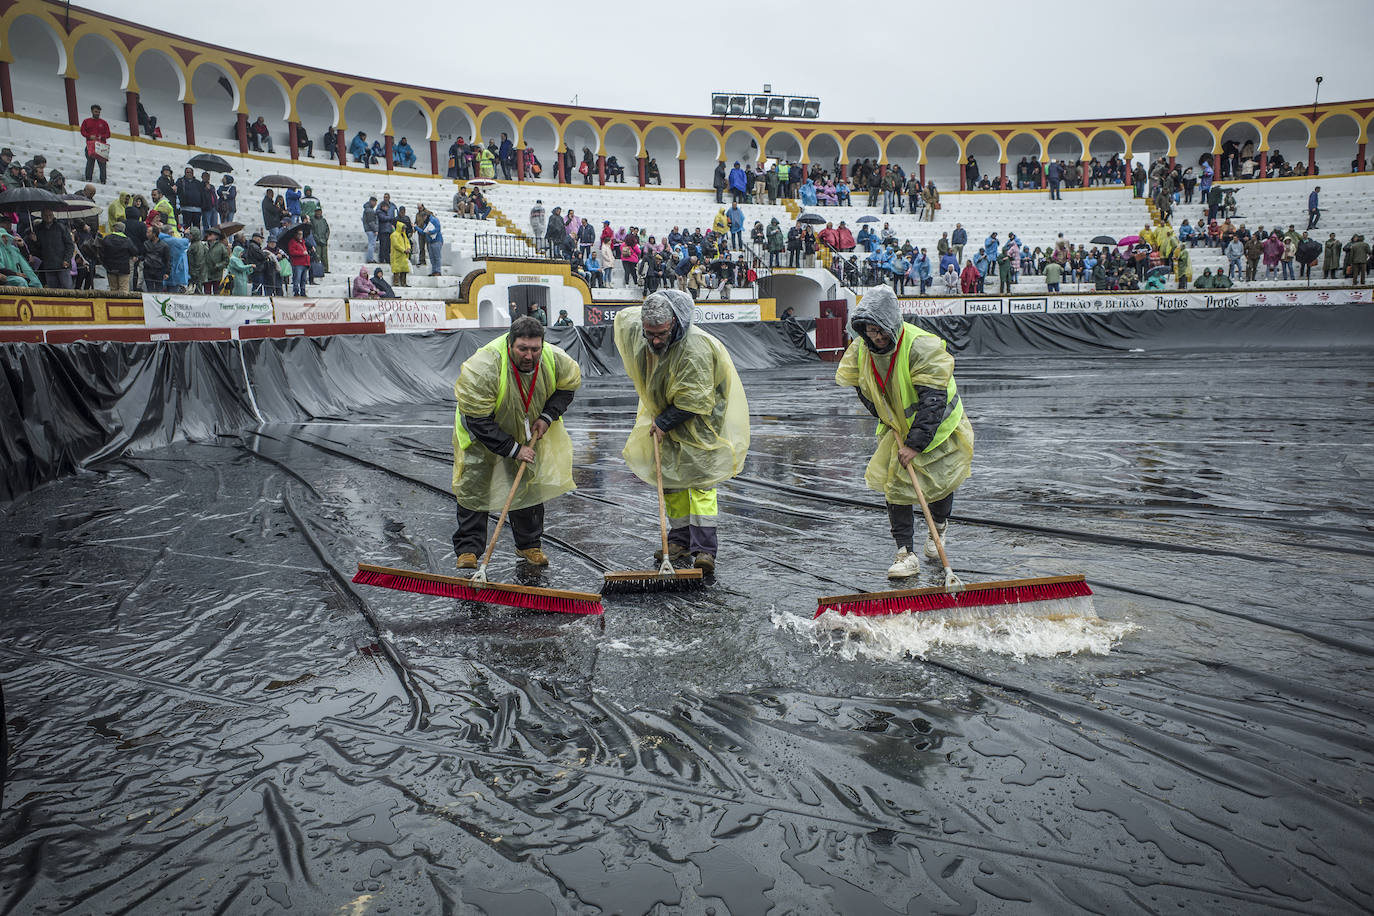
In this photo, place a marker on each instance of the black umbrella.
(1156, 270)
(209, 162)
(867, 219)
(276, 181)
(814, 219)
(24, 200)
(1103, 240)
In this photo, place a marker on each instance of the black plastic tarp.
(66, 406)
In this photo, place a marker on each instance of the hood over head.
(678, 303)
(878, 307)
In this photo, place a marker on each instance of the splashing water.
(916, 635)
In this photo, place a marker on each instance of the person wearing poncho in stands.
(692, 402)
(906, 373)
(512, 394)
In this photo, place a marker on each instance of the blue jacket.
(1054, 172)
(358, 148)
(738, 180)
(433, 232)
(293, 201)
(960, 237)
(808, 193)
(990, 246)
(403, 154)
(946, 260)
(920, 265)
(178, 272)
(1312, 201)
(736, 216)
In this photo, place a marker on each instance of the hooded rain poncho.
(943, 466)
(697, 375)
(485, 387)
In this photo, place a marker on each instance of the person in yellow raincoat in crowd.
(905, 374)
(721, 225)
(512, 394)
(692, 402)
(400, 255)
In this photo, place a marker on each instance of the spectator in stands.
(1331, 258)
(370, 227)
(228, 195)
(480, 207)
(240, 273)
(1357, 258)
(652, 174)
(383, 288)
(403, 155)
(116, 256)
(971, 280)
(189, 193)
(432, 233)
(53, 246)
(739, 185)
(718, 181)
(197, 253)
(359, 150)
(1290, 251)
(362, 287)
(1055, 174)
(96, 131)
(178, 271)
(331, 142)
(303, 141)
(1273, 253)
(147, 122)
(155, 261)
(505, 154)
(166, 186)
(15, 269)
(300, 261)
(614, 170)
(216, 261)
(291, 201)
(259, 135)
(386, 224)
(1314, 213)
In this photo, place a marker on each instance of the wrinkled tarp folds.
(64, 407)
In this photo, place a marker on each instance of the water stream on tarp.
(206, 716)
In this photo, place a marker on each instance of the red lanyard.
(881, 380)
(520, 386)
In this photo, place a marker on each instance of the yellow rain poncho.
(486, 387)
(721, 224)
(946, 464)
(695, 375)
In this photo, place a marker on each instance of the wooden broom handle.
(662, 508)
(519, 472)
(920, 494)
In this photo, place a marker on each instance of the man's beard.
(525, 364)
(659, 348)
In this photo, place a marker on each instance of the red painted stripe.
(322, 329)
(136, 335)
(27, 335)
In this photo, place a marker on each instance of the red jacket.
(968, 280)
(95, 130)
(829, 236)
(843, 239)
(299, 254)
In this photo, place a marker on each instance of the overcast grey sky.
(990, 60)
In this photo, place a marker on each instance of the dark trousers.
(902, 519)
(1313, 216)
(307, 147)
(95, 162)
(526, 525)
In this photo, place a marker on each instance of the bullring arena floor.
(206, 716)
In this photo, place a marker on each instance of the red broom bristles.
(489, 593)
(1025, 591)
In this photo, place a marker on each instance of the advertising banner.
(309, 311)
(400, 314)
(173, 310)
(932, 308)
(595, 316)
(716, 313)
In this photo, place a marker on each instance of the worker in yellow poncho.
(905, 375)
(692, 402)
(511, 396)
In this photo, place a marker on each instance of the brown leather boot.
(467, 561)
(534, 556)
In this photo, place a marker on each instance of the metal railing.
(500, 245)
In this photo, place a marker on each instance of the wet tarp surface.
(206, 716)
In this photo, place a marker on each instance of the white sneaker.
(905, 566)
(930, 548)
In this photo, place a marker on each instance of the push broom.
(478, 588)
(1049, 596)
(666, 578)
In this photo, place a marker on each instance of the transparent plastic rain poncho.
(696, 375)
(482, 479)
(941, 469)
